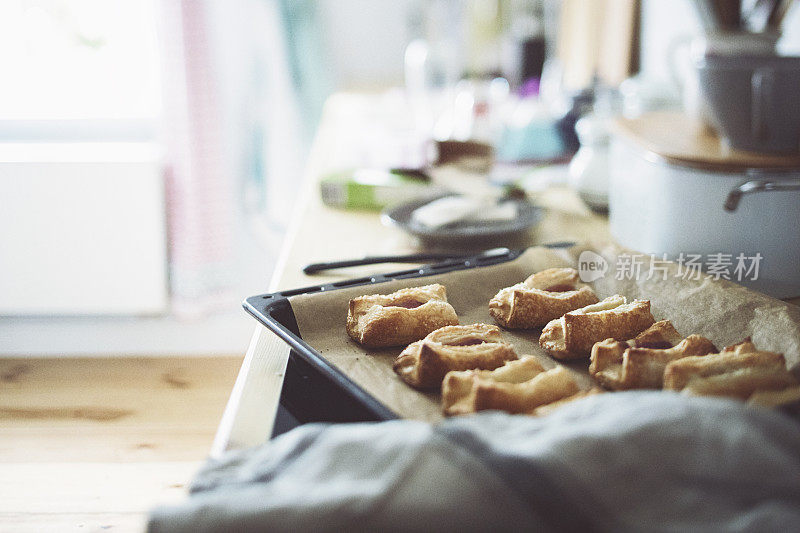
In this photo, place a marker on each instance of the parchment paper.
(720, 310)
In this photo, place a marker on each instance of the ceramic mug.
(752, 100)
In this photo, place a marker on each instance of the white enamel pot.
(657, 206)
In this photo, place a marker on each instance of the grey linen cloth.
(628, 461)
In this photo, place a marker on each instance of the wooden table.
(321, 233)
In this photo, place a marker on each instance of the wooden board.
(679, 140)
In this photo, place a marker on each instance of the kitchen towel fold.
(629, 461)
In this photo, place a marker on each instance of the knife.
(421, 257)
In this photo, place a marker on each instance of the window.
(78, 70)
(80, 171)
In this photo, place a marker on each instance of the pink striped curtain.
(200, 197)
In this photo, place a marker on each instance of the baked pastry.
(573, 335)
(460, 391)
(738, 371)
(639, 363)
(423, 364)
(775, 398)
(660, 335)
(540, 298)
(380, 320)
(546, 409)
(517, 387)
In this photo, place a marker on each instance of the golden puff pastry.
(540, 298)
(775, 398)
(424, 364)
(399, 318)
(459, 390)
(639, 363)
(739, 371)
(517, 387)
(546, 409)
(660, 335)
(573, 335)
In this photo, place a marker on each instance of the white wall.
(790, 42)
(366, 40)
(665, 24)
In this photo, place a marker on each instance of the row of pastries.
(476, 369)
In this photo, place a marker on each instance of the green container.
(373, 189)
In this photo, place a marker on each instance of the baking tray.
(326, 388)
(314, 390)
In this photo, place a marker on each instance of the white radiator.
(82, 229)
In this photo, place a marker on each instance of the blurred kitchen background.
(152, 151)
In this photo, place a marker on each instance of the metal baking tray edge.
(274, 311)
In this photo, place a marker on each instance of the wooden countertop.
(322, 233)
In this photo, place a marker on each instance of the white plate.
(528, 215)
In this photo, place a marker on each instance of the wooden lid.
(679, 140)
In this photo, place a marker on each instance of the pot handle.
(759, 185)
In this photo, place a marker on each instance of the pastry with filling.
(423, 364)
(540, 298)
(546, 409)
(739, 371)
(573, 335)
(381, 320)
(775, 398)
(517, 387)
(460, 390)
(660, 335)
(639, 363)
